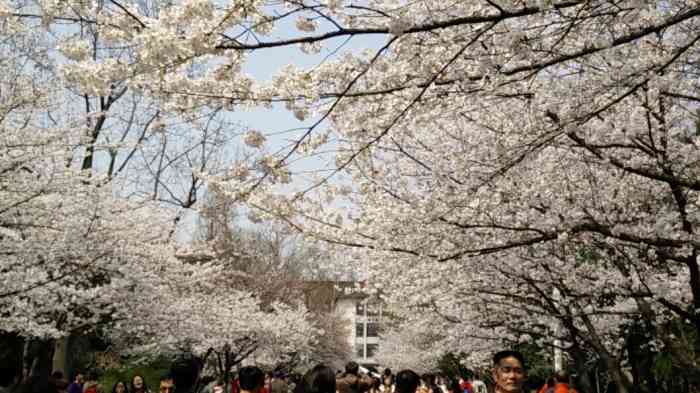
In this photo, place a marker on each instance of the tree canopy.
(518, 169)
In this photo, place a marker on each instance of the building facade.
(365, 318)
(363, 313)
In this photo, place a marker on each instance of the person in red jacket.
(465, 386)
(234, 385)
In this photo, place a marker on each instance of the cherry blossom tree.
(551, 144)
(414, 343)
(520, 168)
(195, 309)
(92, 184)
(85, 176)
(271, 263)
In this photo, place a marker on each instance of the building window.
(372, 329)
(360, 309)
(360, 351)
(359, 330)
(372, 350)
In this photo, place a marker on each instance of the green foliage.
(539, 363)
(663, 365)
(586, 255)
(678, 360)
(450, 366)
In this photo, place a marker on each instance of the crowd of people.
(88, 383)
(508, 376)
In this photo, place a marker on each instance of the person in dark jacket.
(320, 379)
(138, 385)
(77, 385)
(407, 381)
(251, 379)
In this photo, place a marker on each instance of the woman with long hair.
(138, 385)
(120, 387)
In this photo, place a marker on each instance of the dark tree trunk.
(11, 346)
(37, 364)
(584, 384)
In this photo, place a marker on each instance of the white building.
(363, 313)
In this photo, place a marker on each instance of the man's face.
(509, 375)
(167, 386)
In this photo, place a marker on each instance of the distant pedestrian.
(235, 385)
(478, 386)
(119, 387)
(429, 382)
(548, 386)
(77, 385)
(268, 381)
(441, 382)
(406, 381)
(376, 386)
(465, 386)
(251, 379)
(219, 387)
(562, 383)
(91, 385)
(279, 383)
(320, 379)
(57, 384)
(351, 381)
(387, 381)
(453, 386)
(166, 384)
(138, 385)
(294, 381)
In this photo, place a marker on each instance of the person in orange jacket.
(547, 385)
(562, 383)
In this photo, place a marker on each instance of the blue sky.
(262, 65)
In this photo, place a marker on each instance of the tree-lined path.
(500, 172)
